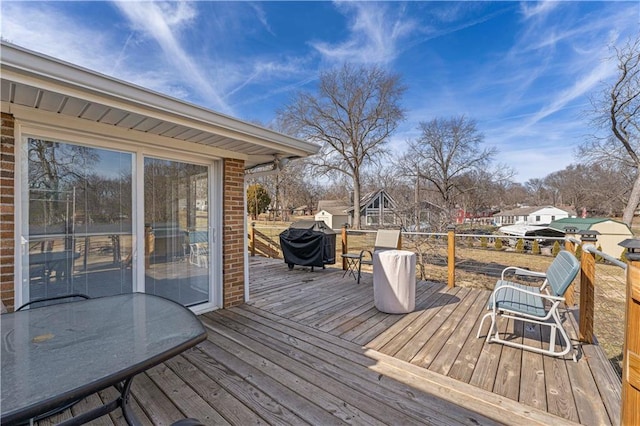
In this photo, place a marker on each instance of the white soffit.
(33, 80)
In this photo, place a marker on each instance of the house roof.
(530, 230)
(33, 84)
(334, 207)
(582, 224)
(526, 211)
(367, 198)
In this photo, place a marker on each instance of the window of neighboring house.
(553, 218)
(537, 218)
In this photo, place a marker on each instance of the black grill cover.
(308, 243)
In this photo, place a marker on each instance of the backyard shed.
(333, 213)
(612, 232)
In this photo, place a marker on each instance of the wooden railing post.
(631, 349)
(451, 256)
(587, 286)
(345, 249)
(569, 295)
(252, 239)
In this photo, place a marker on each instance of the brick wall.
(7, 209)
(233, 233)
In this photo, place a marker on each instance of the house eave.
(28, 78)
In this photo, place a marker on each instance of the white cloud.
(55, 34)
(162, 22)
(65, 37)
(532, 9)
(262, 16)
(375, 34)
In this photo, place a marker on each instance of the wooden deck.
(310, 348)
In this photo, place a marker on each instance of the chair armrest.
(521, 290)
(523, 272)
(366, 251)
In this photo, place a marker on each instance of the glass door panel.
(77, 236)
(176, 215)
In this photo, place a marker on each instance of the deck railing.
(607, 269)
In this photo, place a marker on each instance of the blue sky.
(523, 70)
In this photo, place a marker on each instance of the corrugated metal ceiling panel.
(94, 112)
(26, 96)
(114, 116)
(51, 101)
(162, 128)
(5, 91)
(131, 121)
(147, 124)
(73, 107)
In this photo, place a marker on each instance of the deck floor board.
(310, 348)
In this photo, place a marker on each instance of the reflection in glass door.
(176, 236)
(77, 234)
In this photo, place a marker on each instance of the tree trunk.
(356, 204)
(416, 200)
(634, 200)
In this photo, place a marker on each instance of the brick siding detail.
(7, 210)
(233, 233)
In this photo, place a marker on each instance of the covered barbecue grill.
(308, 243)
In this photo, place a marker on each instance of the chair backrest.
(53, 300)
(562, 272)
(387, 239)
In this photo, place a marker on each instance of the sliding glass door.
(176, 218)
(104, 221)
(77, 236)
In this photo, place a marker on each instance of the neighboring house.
(333, 213)
(538, 215)
(463, 216)
(612, 232)
(110, 188)
(483, 217)
(377, 209)
(302, 211)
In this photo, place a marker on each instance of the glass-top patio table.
(56, 354)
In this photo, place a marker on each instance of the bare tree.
(618, 110)
(511, 194)
(597, 188)
(445, 152)
(537, 191)
(352, 116)
(483, 191)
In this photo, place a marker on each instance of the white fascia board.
(23, 66)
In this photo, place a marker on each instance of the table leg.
(352, 268)
(122, 401)
(128, 414)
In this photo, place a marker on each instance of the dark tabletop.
(58, 353)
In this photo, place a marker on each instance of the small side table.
(394, 281)
(353, 265)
